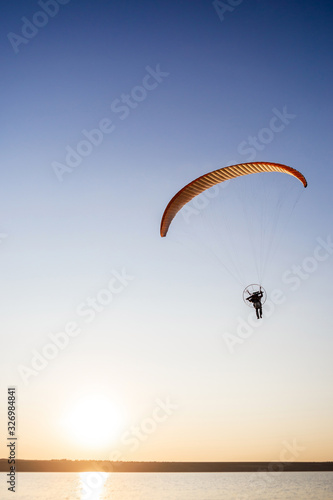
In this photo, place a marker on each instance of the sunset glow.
(92, 421)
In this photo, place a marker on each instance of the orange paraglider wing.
(206, 181)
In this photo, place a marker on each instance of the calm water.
(151, 486)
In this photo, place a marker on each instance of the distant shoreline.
(107, 466)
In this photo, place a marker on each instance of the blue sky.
(195, 89)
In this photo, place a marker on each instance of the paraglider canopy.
(239, 227)
(206, 181)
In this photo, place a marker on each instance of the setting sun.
(93, 420)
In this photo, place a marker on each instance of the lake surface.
(170, 486)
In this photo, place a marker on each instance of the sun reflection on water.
(92, 485)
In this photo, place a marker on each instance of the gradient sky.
(158, 352)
